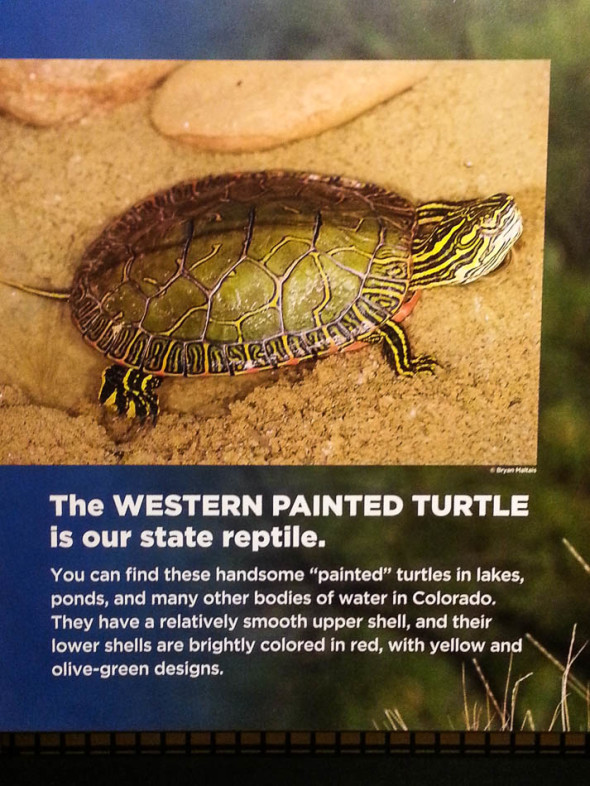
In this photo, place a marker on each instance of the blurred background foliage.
(556, 593)
(558, 30)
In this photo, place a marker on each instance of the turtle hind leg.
(398, 354)
(127, 391)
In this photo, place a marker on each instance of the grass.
(501, 714)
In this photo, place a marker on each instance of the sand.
(469, 129)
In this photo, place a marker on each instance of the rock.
(47, 92)
(237, 106)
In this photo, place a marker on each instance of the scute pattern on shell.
(240, 272)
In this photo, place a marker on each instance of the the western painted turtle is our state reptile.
(250, 271)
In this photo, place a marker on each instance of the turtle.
(241, 272)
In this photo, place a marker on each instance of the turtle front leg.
(127, 391)
(398, 354)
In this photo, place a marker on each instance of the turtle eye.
(489, 223)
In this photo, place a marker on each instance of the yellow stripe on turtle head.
(458, 242)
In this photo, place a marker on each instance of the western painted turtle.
(243, 272)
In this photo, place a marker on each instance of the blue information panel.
(150, 598)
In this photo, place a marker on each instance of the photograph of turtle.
(267, 251)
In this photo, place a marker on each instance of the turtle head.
(458, 242)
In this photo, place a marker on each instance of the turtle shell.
(243, 272)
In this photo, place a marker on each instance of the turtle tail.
(49, 293)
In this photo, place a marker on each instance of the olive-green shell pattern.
(246, 271)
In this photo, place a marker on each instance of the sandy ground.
(470, 129)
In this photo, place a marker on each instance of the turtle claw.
(424, 364)
(130, 392)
